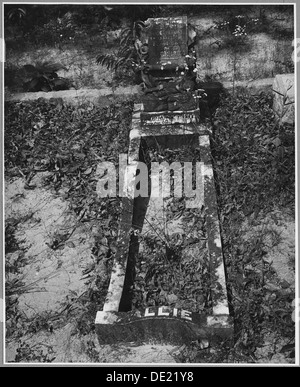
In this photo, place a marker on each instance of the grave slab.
(117, 322)
(167, 120)
(164, 324)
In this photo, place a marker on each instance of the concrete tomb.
(167, 122)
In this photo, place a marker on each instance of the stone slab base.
(161, 325)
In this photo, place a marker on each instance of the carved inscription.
(169, 118)
(167, 40)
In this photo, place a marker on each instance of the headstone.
(168, 71)
(284, 98)
(167, 41)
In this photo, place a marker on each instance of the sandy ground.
(51, 275)
(53, 278)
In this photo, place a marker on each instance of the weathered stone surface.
(284, 98)
(167, 47)
(170, 118)
(163, 324)
(169, 101)
(116, 294)
(214, 244)
(167, 41)
(169, 65)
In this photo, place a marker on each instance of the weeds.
(235, 32)
(127, 61)
(256, 155)
(34, 353)
(253, 179)
(254, 163)
(68, 143)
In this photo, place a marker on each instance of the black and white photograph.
(149, 185)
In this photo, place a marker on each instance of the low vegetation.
(254, 164)
(67, 142)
